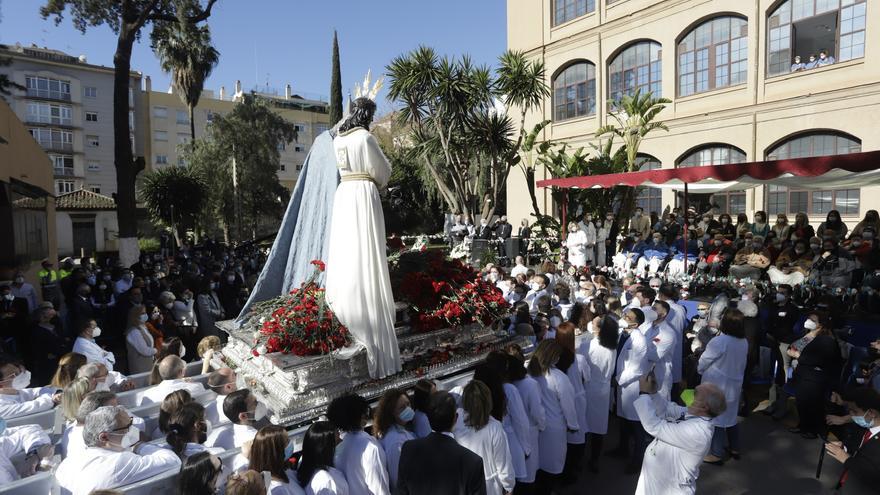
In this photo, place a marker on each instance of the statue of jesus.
(358, 286)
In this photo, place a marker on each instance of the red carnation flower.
(319, 265)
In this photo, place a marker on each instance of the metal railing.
(48, 94)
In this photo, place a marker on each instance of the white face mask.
(144, 318)
(623, 324)
(810, 325)
(131, 437)
(96, 332)
(260, 411)
(182, 351)
(22, 380)
(407, 415)
(535, 286)
(102, 386)
(10, 297)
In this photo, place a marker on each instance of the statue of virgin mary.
(358, 286)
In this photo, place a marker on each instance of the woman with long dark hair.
(530, 393)
(601, 354)
(389, 426)
(576, 369)
(188, 429)
(833, 226)
(200, 474)
(495, 373)
(315, 470)
(270, 451)
(478, 430)
(421, 394)
(818, 366)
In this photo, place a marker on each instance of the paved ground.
(773, 462)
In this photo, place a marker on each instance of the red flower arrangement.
(301, 323)
(444, 292)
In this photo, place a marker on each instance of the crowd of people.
(812, 61)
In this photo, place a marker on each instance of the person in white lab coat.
(677, 318)
(271, 452)
(359, 456)
(243, 410)
(663, 348)
(589, 228)
(85, 345)
(16, 399)
(557, 396)
(576, 243)
(222, 382)
(72, 442)
(514, 418)
(681, 438)
(632, 362)
(530, 393)
(389, 426)
(723, 364)
(28, 440)
(601, 353)
(315, 469)
(538, 287)
(172, 370)
(484, 435)
(113, 457)
(578, 372)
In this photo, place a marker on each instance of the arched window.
(713, 55)
(566, 10)
(807, 27)
(821, 143)
(574, 91)
(732, 203)
(649, 198)
(635, 67)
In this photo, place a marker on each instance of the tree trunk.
(126, 170)
(192, 126)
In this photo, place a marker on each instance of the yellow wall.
(753, 116)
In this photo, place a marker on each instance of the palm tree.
(184, 49)
(634, 117)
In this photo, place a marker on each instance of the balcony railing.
(64, 172)
(56, 145)
(49, 94)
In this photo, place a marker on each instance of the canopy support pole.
(564, 226)
(685, 228)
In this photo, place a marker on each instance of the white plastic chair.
(38, 484)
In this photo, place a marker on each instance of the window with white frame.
(160, 136)
(807, 27)
(95, 188)
(821, 143)
(713, 55)
(62, 164)
(299, 149)
(160, 112)
(64, 186)
(638, 66)
(90, 92)
(46, 87)
(56, 139)
(91, 116)
(161, 159)
(183, 138)
(94, 167)
(93, 141)
(49, 113)
(574, 91)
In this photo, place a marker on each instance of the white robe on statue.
(357, 281)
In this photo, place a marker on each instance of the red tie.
(845, 474)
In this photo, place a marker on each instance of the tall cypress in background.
(335, 85)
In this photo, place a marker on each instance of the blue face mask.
(407, 415)
(861, 421)
(288, 451)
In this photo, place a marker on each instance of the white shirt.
(214, 412)
(677, 318)
(392, 443)
(516, 427)
(519, 270)
(632, 363)
(532, 298)
(490, 443)
(98, 468)
(281, 488)
(661, 355)
(157, 393)
(72, 440)
(18, 440)
(231, 436)
(141, 340)
(26, 291)
(672, 461)
(361, 458)
(26, 401)
(93, 352)
(327, 482)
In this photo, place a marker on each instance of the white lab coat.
(231, 437)
(601, 362)
(519, 270)
(26, 401)
(18, 440)
(157, 393)
(94, 353)
(328, 481)
(516, 427)
(490, 443)
(361, 458)
(530, 393)
(661, 356)
(557, 396)
(576, 242)
(72, 442)
(421, 425)
(589, 229)
(672, 460)
(392, 443)
(579, 375)
(677, 318)
(214, 412)
(281, 488)
(532, 298)
(631, 365)
(98, 468)
(724, 363)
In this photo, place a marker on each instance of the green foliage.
(149, 244)
(335, 85)
(185, 51)
(252, 133)
(461, 134)
(174, 196)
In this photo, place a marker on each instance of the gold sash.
(357, 176)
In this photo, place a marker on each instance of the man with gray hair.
(172, 370)
(114, 456)
(72, 443)
(682, 437)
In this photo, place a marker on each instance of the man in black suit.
(437, 464)
(861, 463)
(80, 308)
(503, 229)
(13, 321)
(781, 320)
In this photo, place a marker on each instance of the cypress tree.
(335, 85)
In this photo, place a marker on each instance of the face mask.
(810, 325)
(19, 280)
(516, 297)
(102, 386)
(126, 277)
(622, 324)
(288, 451)
(182, 351)
(213, 285)
(107, 277)
(407, 415)
(22, 380)
(102, 287)
(862, 421)
(96, 332)
(799, 250)
(493, 277)
(209, 427)
(703, 313)
(856, 243)
(131, 437)
(656, 240)
(91, 280)
(723, 220)
(815, 247)
(718, 243)
(144, 318)
(9, 297)
(535, 286)
(757, 245)
(230, 279)
(260, 411)
(780, 297)
(156, 315)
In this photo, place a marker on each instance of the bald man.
(172, 370)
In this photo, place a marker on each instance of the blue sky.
(290, 41)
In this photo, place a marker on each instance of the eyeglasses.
(126, 427)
